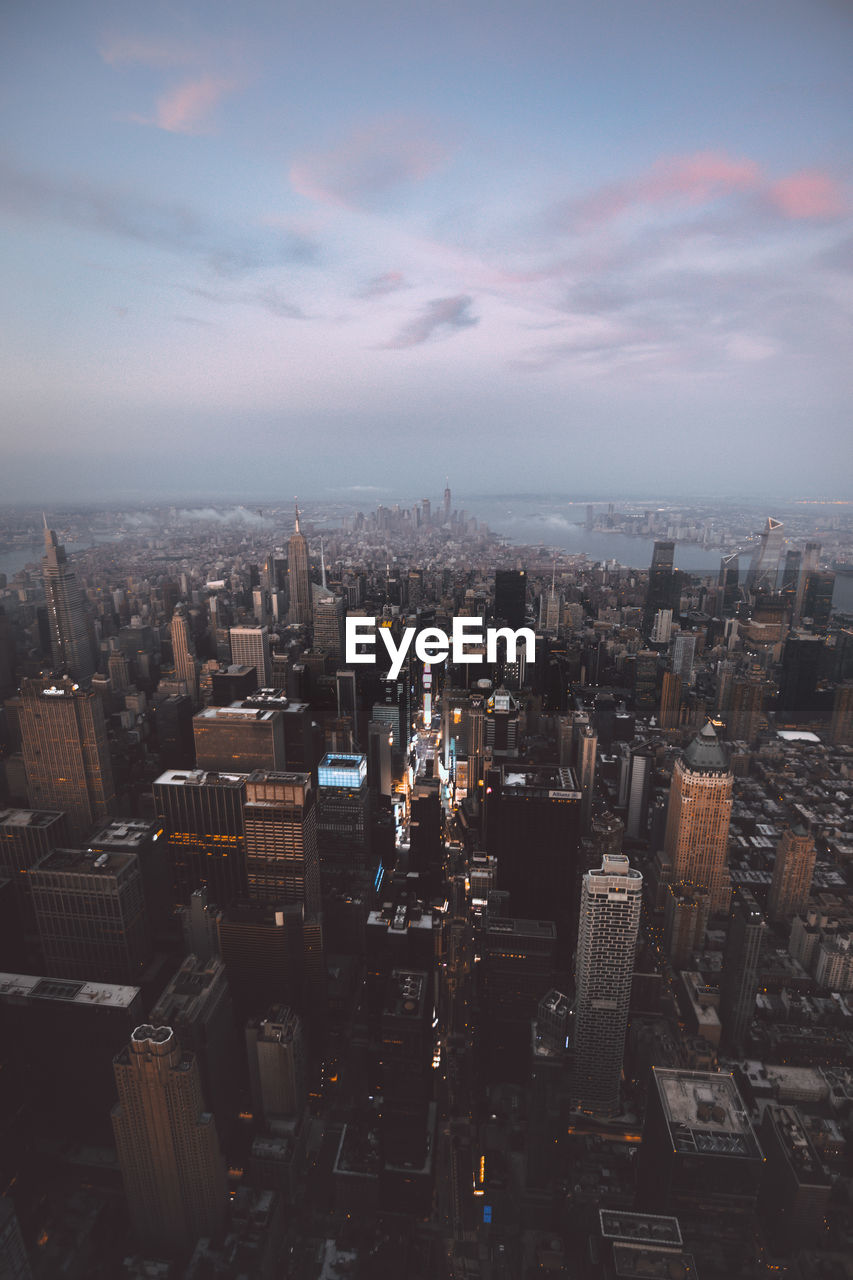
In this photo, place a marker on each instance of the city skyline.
(618, 236)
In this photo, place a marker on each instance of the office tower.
(809, 564)
(167, 1145)
(118, 670)
(744, 717)
(69, 631)
(90, 913)
(196, 1004)
(587, 755)
(511, 596)
(27, 836)
(697, 825)
(447, 501)
(817, 601)
(662, 627)
(792, 875)
(14, 1263)
(500, 725)
(739, 982)
(645, 683)
(841, 728)
(276, 1055)
(329, 613)
(147, 840)
(795, 1195)
(611, 899)
(639, 792)
(68, 1093)
(238, 739)
(683, 650)
(301, 607)
(399, 934)
(761, 575)
(661, 581)
(234, 684)
(343, 811)
(380, 743)
(728, 582)
(250, 647)
(406, 1084)
(535, 807)
(263, 948)
(346, 688)
(183, 652)
(66, 756)
(670, 700)
(701, 1161)
(801, 665)
(282, 856)
(202, 815)
(686, 910)
(299, 752)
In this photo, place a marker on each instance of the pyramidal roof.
(706, 752)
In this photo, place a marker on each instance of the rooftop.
(617, 1224)
(706, 1114)
(706, 753)
(85, 862)
(24, 986)
(28, 817)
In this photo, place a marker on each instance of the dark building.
(147, 840)
(202, 816)
(739, 984)
(238, 739)
(701, 1161)
(26, 836)
(517, 969)
(263, 948)
(817, 601)
(661, 588)
(299, 752)
(795, 1195)
(801, 664)
(233, 684)
(729, 589)
(343, 812)
(282, 855)
(511, 596)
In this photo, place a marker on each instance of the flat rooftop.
(706, 1114)
(25, 986)
(645, 1228)
(237, 713)
(28, 817)
(84, 862)
(128, 834)
(407, 990)
(199, 778)
(523, 928)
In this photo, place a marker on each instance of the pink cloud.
(184, 109)
(369, 161)
(695, 179)
(808, 194)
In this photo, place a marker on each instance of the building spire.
(322, 564)
(297, 529)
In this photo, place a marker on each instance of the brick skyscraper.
(697, 824)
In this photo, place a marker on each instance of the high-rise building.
(642, 768)
(685, 920)
(841, 728)
(611, 899)
(183, 652)
(808, 565)
(795, 1195)
(792, 875)
(239, 739)
(744, 716)
(683, 649)
(739, 982)
(69, 632)
(587, 756)
(511, 596)
(250, 647)
(282, 856)
(661, 581)
(801, 665)
(670, 700)
(729, 580)
(66, 756)
(763, 567)
(662, 627)
(276, 1053)
(343, 811)
(697, 826)
(329, 613)
(817, 601)
(14, 1263)
(167, 1145)
(91, 917)
(202, 815)
(301, 605)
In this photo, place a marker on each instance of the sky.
(334, 247)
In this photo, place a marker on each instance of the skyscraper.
(276, 1055)
(661, 580)
(66, 757)
(611, 899)
(250, 647)
(282, 856)
(203, 817)
(511, 596)
(183, 651)
(697, 825)
(167, 1145)
(729, 584)
(763, 567)
(792, 874)
(69, 632)
(739, 982)
(301, 608)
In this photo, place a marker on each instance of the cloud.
(440, 315)
(808, 194)
(78, 202)
(185, 108)
(270, 299)
(233, 515)
(117, 50)
(368, 162)
(388, 282)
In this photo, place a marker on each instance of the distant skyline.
(277, 248)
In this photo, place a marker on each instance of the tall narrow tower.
(764, 565)
(611, 899)
(168, 1149)
(301, 609)
(447, 500)
(792, 874)
(183, 650)
(66, 756)
(697, 824)
(69, 634)
(739, 983)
